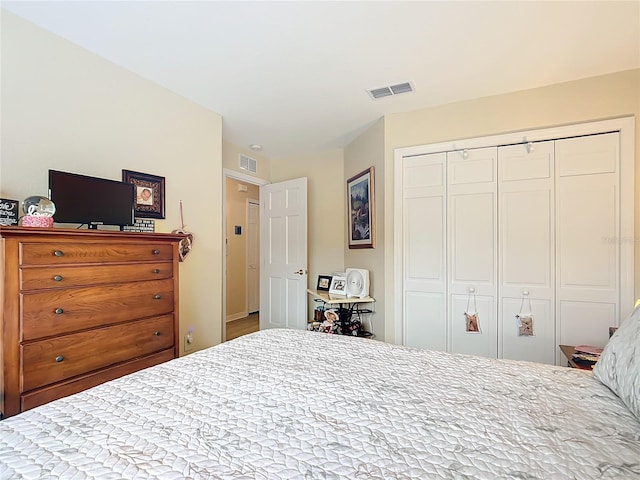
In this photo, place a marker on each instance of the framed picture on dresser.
(149, 190)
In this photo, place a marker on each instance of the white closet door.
(527, 250)
(588, 238)
(472, 243)
(424, 224)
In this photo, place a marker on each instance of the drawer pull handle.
(156, 252)
(157, 333)
(59, 358)
(59, 311)
(156, 270)
(157, 296)
(58, 253)
(58, 278)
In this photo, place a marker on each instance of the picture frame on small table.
(338, 285)
(324, 283)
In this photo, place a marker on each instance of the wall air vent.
(249, 164)
(397, 89)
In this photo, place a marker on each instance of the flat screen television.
(91, 200)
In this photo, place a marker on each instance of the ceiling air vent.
(249, 164)
(381, 92)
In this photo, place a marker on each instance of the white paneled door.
(589, 240)
(472, 234)
(526, 228)
(527, 250)
(425, 259)
(283, 255)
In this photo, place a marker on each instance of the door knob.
(300, 272)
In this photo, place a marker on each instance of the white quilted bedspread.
(286, 404)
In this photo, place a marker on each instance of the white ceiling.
(292, 76)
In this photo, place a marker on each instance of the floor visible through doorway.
(242, 326)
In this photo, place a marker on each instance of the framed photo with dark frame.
(324, 282)
(149, 190)
(361, 206)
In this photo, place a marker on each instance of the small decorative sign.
(141, 225)
(8, 212)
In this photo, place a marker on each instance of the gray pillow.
(619, 364)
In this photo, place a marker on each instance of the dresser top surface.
(7, 232)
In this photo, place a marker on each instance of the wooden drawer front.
(55, 277)
(49, 361)
(64, 389)
(88, 307)
(61, 253)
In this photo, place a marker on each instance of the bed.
(288, 404)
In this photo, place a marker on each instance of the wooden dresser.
(80, 307)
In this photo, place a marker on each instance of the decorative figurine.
(38, 212)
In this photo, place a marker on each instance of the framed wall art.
(360, 200)
(149, 193)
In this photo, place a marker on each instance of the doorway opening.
(241, 291)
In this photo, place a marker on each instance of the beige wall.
(366, 151)
(584, 100)
(231, 160)
(326, 207)
(237, 268)
(65, 108)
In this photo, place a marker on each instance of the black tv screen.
(91, 200)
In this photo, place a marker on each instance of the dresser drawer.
(65, 388)
(52, 360)
(60, 253)
(32, 278)
(54, 312)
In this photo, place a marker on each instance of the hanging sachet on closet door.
(524, 318)
(471, 316)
